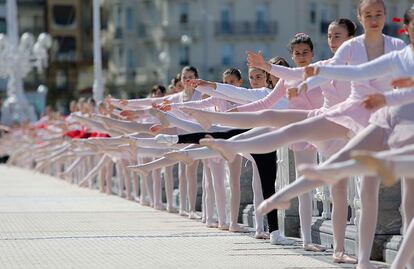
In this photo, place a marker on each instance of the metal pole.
(97, 54)
(12, 23)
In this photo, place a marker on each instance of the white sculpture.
(16, 63)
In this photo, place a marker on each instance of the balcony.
(324, 27)
(118, 33)
(142, 30)
(69, 56)
(175, 31)
(36, 30)
(246, 28)
(146, 75)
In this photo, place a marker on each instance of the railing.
(175, 31)
(246, 28)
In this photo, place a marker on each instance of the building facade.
(149, 41)
(71, 61)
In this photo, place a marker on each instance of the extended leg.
(274, 118)
(311, 129)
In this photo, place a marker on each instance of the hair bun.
(301, 34)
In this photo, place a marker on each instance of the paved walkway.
(48, 223)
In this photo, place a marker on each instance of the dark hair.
(91, 101)
(409, 15)
(160, 88)
(279, 61)
(190, 68)
(300, 38)
(234, 72)
(349, 25)
(361, 2)
(176, 79)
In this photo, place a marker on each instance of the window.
(227, 54)
(64, 15)
(261, 18)
(118, 16)
(324, 24)
(61, 79)
(121, 62)
(225, 19)
(324, 14)
(129, 19)
(66, 49)
(312, 13)
(3, 26)
(130, 59)
(183, 13)
(184, 55)
(118, 22)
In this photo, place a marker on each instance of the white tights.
(305, 200)
(218, 172)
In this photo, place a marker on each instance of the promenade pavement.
(46, 222)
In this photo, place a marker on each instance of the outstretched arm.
(268, 101)
(385, 65)
(256, 60)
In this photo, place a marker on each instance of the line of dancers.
(355, 110)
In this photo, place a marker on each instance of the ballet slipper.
(314, 247)
(221, 146)
(40, 165)
(145, 203)
(366, 266)
(344, 258)
(266, 206)
(183, 213)
(195, 113)
(161, 116)
(61, 175)
(181, 156)
(237, 228)
(312, 172)
(193, 215)
(384, 171)
(84, 183)
(223, 227)
(121, 194)
(212, 225)
(160, 207)
(172, 210)
(261, 235)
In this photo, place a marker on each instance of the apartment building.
(148, 41)
(71, 59)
